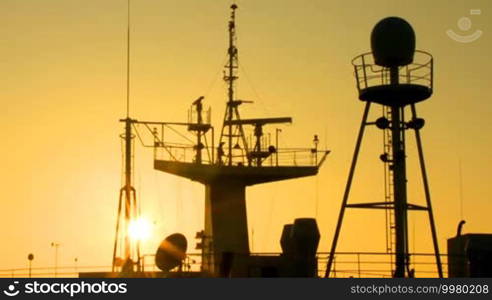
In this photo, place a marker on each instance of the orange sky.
(63, 91)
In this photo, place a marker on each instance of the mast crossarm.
(260, 122)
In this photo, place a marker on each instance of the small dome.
(393, 42)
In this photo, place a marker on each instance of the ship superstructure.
(227, 168)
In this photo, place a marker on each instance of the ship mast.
(232, 111)
(127, 198)
(225, 237)
(231, 77)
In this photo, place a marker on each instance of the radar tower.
(396, 76)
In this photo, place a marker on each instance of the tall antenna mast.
(128, 64)
(231, 118)
(231, 76)
(131, 249)
(226, 176)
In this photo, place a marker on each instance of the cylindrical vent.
(286, 239)
(393, 42)
(305, 237)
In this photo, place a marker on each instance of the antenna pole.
(232, 111)
(128, 184)
(230, 78)
(127, 191)
(128, 64)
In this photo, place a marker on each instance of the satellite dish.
(171, 252)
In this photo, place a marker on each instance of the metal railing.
(346, 264)
(419, 72)
(171, 144)
(281, 157)
(377, 264)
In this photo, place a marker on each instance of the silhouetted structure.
(126, 252)
(238, 161)
(238, 164)
(396, 76)
(470, 255)
(171, 252)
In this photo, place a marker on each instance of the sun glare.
(139, 229)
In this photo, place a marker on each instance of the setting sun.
(140, 229)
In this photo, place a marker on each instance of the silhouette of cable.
(250, 83)
(214, 79)
(461, 189)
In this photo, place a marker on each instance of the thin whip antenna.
(461, 187)
(128, 64)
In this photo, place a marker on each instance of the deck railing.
(346, 264)
(281, 157)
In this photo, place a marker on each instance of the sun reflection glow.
(140, 229)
